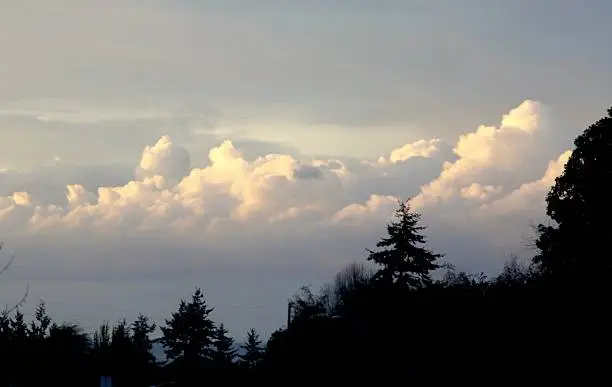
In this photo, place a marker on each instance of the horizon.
(252, 150)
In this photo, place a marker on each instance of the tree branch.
(4, 268)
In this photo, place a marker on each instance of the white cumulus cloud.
(287, 214)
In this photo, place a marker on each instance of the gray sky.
(86, 86)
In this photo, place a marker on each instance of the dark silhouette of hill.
(541, 321)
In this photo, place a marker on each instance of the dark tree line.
(387, 319)
(545, 318)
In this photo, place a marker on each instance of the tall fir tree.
(19, 327)
(101, 348)
(143, 362)
(142, 328)
(403, 258)
(121, 346)
(39, 327)
(253, 351)
(188, 334)
(19, 342)
(223, 352)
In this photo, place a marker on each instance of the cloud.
(491, 154)
(479, 192)
(168, 196)
(164, 159)
(532, 194)
(420, 148)
(280, 213)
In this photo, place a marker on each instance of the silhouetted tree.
(39, 328)
(3, 269)
(345, 290)
(516, 274)
(223, 351)
(253, 351)
(122, 351)
(306, 305)
(69, 347)
(189, 333)
(5, 340)
(102, 338)
(142, 328)
(403, 259)
(143, 364)
(19, 326)
(101, 349)
(462, 280)
(579, 204)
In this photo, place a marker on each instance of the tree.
(19, 326)
(253, 352)
(188, 335)
(19, 341)
(223, 352)
(143, 362)
(404, 261)
(307, 306)
(4, 268)
(580, 206)
(39, 328)
(122, 353)
(142, 328)
(348, 282)
(102, 338)
(5, 338)
(101, 348)
(69, 348)
(121, 340)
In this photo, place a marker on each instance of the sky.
(250, 148)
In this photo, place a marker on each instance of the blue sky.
(128, 102)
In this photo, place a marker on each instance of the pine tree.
(403, 259)
(142, 328)
(223, 352)
(6, 335)
(69, 346)
(101, 348)
(121, 341)
(143, 361)
(102, 338)
(121, 349)
(253, 352)
(188, 334)
(19, 327)
(39, 328)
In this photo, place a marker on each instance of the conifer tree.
(223, 352)
(19, 326)
(142, 328)
(39, 328)
(253, 352)
(404, 259)
(188, 334)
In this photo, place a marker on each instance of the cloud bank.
(279, 211)
(278, 192)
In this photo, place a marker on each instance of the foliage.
(404, 259)
(189, 333)
(462, 326)
(223, 352)
(580, 206)
(142, 328)
(253, 351)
